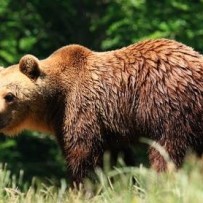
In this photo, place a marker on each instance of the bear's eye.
(9, 97)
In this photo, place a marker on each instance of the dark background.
(41, 26)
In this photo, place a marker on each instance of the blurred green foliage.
(40, 27)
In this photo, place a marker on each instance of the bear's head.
(33, 93)
(21, 97)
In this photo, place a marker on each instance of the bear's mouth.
(4, 123)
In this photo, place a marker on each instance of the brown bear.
(153, 88)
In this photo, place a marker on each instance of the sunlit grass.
(122, 184)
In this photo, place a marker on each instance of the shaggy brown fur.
(153, 88)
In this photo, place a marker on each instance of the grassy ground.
(123, 184)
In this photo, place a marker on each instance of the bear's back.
(150, 82)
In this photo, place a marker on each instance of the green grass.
(123, 184)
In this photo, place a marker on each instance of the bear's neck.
(55, 109)
(33, 124)
(46, 117)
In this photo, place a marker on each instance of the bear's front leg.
(82, 157)
(82, 149)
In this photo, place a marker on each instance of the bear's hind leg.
(175, 148)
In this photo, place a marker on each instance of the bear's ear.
(29, 65)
